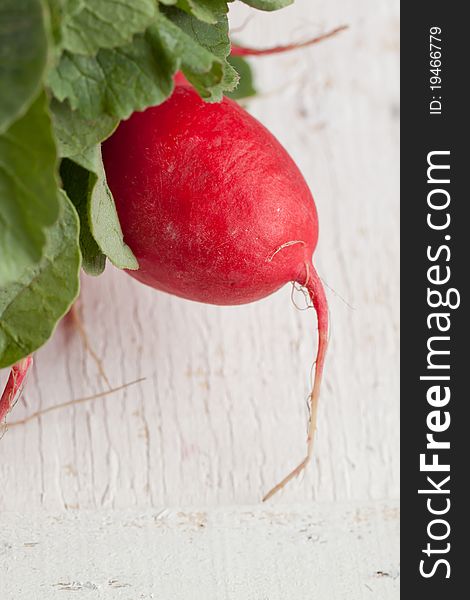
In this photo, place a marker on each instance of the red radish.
(14, 386)
(215, 210)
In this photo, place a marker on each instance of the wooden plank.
(334, 552)
(222, 414)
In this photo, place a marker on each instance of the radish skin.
(14, 386)
(215, 210)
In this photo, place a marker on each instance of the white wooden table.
(221, 415)
(222, 554)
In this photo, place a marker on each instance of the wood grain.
(221, 415)
(339, 552)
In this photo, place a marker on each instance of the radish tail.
(244, 51)
(49, 409)
(316, 292)
(73, 312)
(14, 385)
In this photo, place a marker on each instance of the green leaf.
(245, 87)
(28, 190)
(31, 306)
(208, 11)
(203, 68)
(116, 81)
(76, 181)
(74, 133)
(56, 12)
(268, 4)
(122, 80)
(88, 25)
(85, 182)
(215, 39)
(23, 56)
(104, 221)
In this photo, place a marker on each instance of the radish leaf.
(101, 234)
(122, 80)
(74, 133)
(88, 25)
(28, 190)
(215, 40)
(245, 87)
(104, 222)
(76, 181)
(23, 56)
(208, 11)
(268, 4)
(116, 81)
(205, 69)
(31, 306)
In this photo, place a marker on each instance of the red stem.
(14, 385)
(244, 51)
(317, 295)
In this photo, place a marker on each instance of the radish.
(14, 386)
(215, 210)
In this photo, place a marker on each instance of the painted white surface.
(221, 415)
(246, 553)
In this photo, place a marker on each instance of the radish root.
(286, 245)
(14, 386)
(245, 51)
(317, 295)
(86, 343)
(45, 411)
